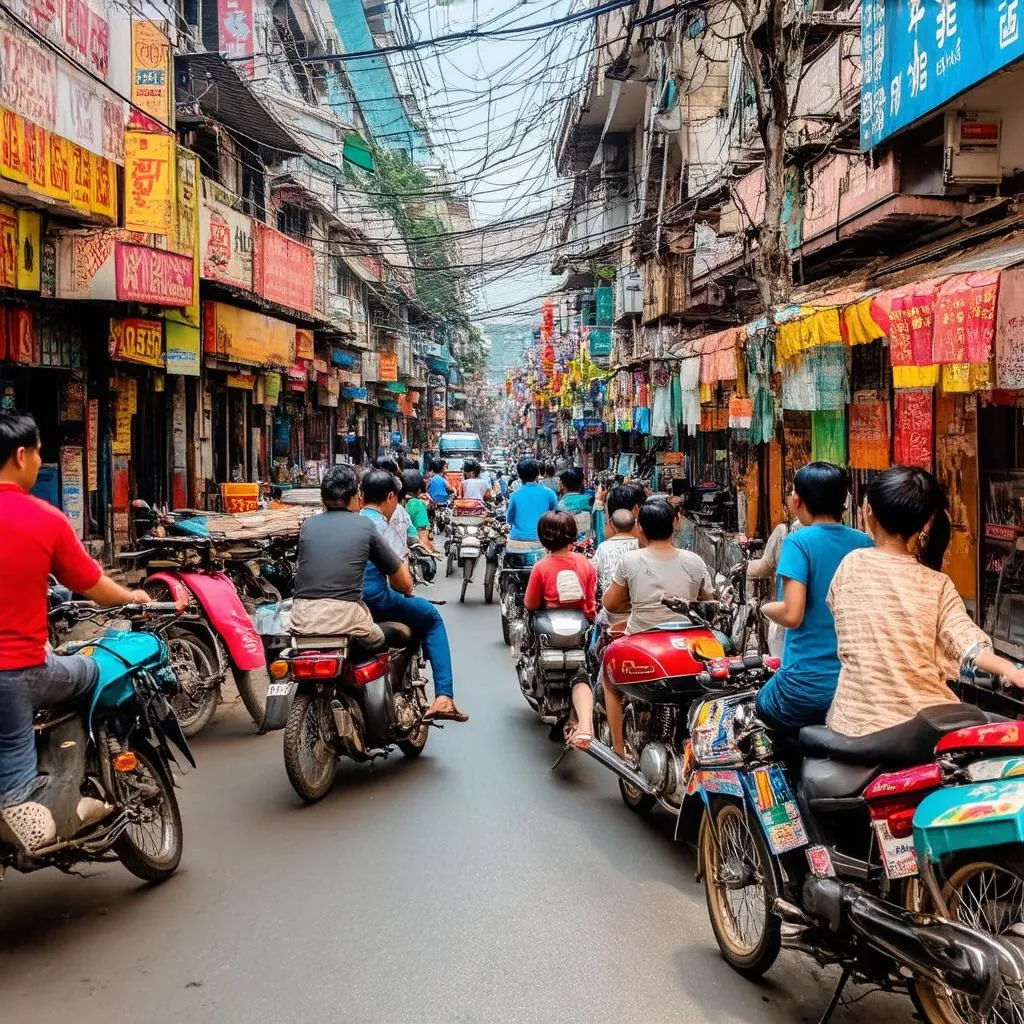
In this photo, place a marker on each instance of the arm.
(108, 593)
(616, 598)
(590, 590)
(788, 612)
(76, 570)
(424, 538)
(964, 642)
(707, 587)
(381, 555)
(401, 580)
(764, 567)
(510, 514)
(533, 599)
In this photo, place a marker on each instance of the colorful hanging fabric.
(869, 433)
(689, 385)
(859, 326)
(741, 413)
(816, 380)
(660, 411)
(762, 428)
(904, 377)
(1009, 343)
(718, 356)
(908, 317)
(963, 378)
(914, 429)
(819, 327)
(828, 436)
(965, 318)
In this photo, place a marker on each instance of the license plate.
(278, 689)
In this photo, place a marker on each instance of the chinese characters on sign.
(152, 276)
(149, 188)
(914, 443)
(135, 340)
(916, 55)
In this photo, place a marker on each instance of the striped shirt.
(903, 631)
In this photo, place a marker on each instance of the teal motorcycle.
(116, 747)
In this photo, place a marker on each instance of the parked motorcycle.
(494, 549)
(188, 568)
(895, 855)
(117, 750)
(740, 601)
(338, 697)
(513, 576)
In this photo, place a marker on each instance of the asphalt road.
(472, 885)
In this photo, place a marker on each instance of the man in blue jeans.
(380, 497)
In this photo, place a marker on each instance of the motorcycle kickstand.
(833, 1003)
(558, 760)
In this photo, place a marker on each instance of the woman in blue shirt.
(801, 692)
(528, 503)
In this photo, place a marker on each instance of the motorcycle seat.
(521, 559)
(396, 634)
(900, 746)
(821, 779)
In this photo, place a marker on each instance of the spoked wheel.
(150, 846)
(489, 574)
(450, 566)
(740, 889)
(986, 895)
(309, 757)
(634, 799)
(195, 703)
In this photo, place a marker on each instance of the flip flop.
(454, 715)
(580, 740)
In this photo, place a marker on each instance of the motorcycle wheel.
(309, 757)
(982, 893)
(450, 567)
(150, 846)
(252, 688)
(506, 635)
(633, 798)
(413, 746)
(489, 574)
(194, 664)
(747, 932)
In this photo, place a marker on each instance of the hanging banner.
(237, 34)
(149, 188)
(8, 246)
(134, 340)
(183, 346)
(387, 366)
(151, 70)
(283, 269)
(965, 317)
(152, 276)
(869, 433)
(225, 238)
(1010, 331)
(303, 343)
(92, 433)
(914, 441)
(252, 339)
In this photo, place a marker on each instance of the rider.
(416, 508)
(438, 488)
(901, 626)
(575, 501)
(400, 529)
(566, 579)
(640, 581)
(380, 496)
(472, 484)
(765, 568)
(527, 504)
(548, 477)
(36, 540)
(801, 691)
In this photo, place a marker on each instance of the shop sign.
(387, 366)
(339, 357)
(396, 388)
(72, 491)
(152, 276)
(297, 377)
(600, 341)
(225, 238)
(396, 437)
(149, 187)
(271, 388)
(303, 343)
(151, 65)
(354, 393)
(328, 391)
(369, 365)
(242, 381)
(389, 405)
(8, 246)
(182, 348)
(283, 269)
(915, 57)
(350, 377)
(121, 442)
(92, 433)
(242, 336)
(29, 245)
(134, 340)
(237, 34)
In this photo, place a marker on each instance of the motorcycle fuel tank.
(661, 665)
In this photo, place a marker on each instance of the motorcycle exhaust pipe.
(606, 756)
(945, 952)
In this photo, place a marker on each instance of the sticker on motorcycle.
(783, 827)
(721, 782)
(820, 862)
(898, 854)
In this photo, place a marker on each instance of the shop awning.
(357, 153)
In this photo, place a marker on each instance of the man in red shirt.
(36, 540)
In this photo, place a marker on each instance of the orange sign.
(151, 91)
(149, 189)
(387, 366)
(12, 146)
(8, 246)
(135, 340)
(251, 339)
(81, 177)
(303, 343)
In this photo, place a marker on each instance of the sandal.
(580, 740)
(446, 714)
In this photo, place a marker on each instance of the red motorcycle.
(223, 638)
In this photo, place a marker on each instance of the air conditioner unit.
(973, 151)
(629, 291)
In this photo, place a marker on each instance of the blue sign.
(396, 438)
(350, 438)
(917, 55)
(350, 393)
(600, 339)
(341, 358)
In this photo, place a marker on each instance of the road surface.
(472, 885)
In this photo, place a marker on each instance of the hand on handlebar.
(141, 597)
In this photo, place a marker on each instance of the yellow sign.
(8, 246)
(251, 339)
(135, 340)
(12, 146)
(81, 178)
(29, 244)
(149, 189)
(187, 228)
(121, 443)
(245, 381)
(151, 70)
(104, 188)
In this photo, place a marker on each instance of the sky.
(495, 106)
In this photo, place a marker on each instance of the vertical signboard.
(151, 77)
(237, 34)
(72, 491)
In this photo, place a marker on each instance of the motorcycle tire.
(489, 575)
(450, 567)
(196, 701)
(252, 687)
(134, 853)
(727, 825)
(312, 783)
(506, 634)
(635, 799)
(416, 742)
(970, 881)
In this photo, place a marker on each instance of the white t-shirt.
(607, 557)
(648, 575)
(397, 533)
(474, 487)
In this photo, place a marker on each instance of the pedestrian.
(548, 477)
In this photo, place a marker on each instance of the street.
(471, 885)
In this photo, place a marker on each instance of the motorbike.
(340, 697)
(513, 576)
(118, 749)
(550, 651)
(422, 565)
(740, 601)
(494, 549)
(188, 568)
(894, 855)
(465, 538)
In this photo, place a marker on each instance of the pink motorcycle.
(217, 633)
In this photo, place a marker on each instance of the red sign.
(135, 340)
(914, 442)
(282, 269)
(152, 276)
(237, 35)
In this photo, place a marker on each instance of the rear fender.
(959, 818)
(378, 709)
(218, 598)
(280, 695)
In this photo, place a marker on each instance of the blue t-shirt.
(525, 508)
(801, 692)
(438, 489)
(374, 581)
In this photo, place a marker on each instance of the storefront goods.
(741, 413)
(869, 433)
(1009, 340)
(828, 436)
(820, 327)
(858, 326)
(689, 384)
(816, 380)
(914, 441)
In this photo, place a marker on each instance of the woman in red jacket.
(565, 579)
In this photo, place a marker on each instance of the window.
(294, 221)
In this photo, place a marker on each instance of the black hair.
(572, 480)
(657, 520)
(556, 530)
(389, 464)
(620, 497)
(823, 488)
(904, 500)
(639, 493)
(412, 481)
(377, 485)
(437, 465)
(339, 486)
(17, 430)
(548, 468)
(527, 470)
(471, 466)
